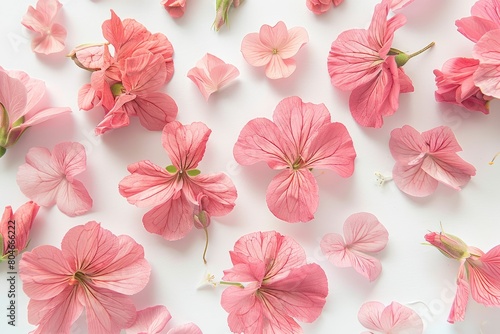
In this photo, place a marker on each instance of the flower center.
(77, 278)
(275, 51)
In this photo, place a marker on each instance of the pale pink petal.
(44, 115)
(144, 73)
(448, 168)
(172, 220)
(474, 27)
(484, 277)
(297, 37)
(151, 320)
(414, 181)
(398, 4)
(254, 52)
(245, 310)
(7, 216)
(51, 42)
(279, 68)
(457, 312)
(89, 56)
(363, 232)
(369, 315)
(441, 140)
(175, 8)
(488, 10)
(13, 95)
(319, 6)
(114, 120)
(73, 198)
(273, 37)
(407, 145)
(188, 328)
(87, 97)
(487, 50)
(154, 109)
(395, 318)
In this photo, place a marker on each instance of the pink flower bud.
(450, 245)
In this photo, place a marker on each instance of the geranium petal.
(70, 158)
(52, 42)
(363, 232)
(151, 320)
(401, 319)
(487, 50)
(172, 220)
(484, 280)
(297, 37)
(407, 145)
(13, 95)
(73, 198)
(412, 180)
(245, 310)
(369, 315)
(113, 31)
(448, 168)
(254, 52)
(279, 68)
(144, 73)
(154, 109)
(457, 312)
(475, 27)
(188, 328)
(441, 139)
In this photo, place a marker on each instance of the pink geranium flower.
(175, 8)
(274, 47)
(456, 85)
(321, 6)
(15, 228)
(20, 100)
(275, 285)
(485, 17)
(48, 178)
(478, 275)
(424, 160)
(50, 36)
(301, 137)
(174, 192)
(152, 320)
(487, 75)
(95, 270)
(363, 234)
(392, 319)
(211, 74)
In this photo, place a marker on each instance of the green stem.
(422, 50)
(232, 283)
(206, 245)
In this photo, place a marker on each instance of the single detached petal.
(151, 320)
(363, 232)
(172, 220)
(407, 145)
(395, 318)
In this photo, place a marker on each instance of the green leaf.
(171, 169)
(193, 172)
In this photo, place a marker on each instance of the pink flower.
(392, 319)
(274, 48)
(20, 99)
(49, 178)
(300, 137)
(95, 270)
(88, 56)
(321, 6)
(174, 191)
(479, 273)
(211, 74)
(363, 234)
(15, 228)
(50, 36)
(152, 320)
(487, 75)
(485, 17)
(222, 8)
(278, 285)
(456, 85)
(424, 160)
(175, 8)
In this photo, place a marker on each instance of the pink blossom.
(173, 192)
(278, 285)
(15, 228)
(175, 8)
(487, 75)
(392, 319)
(456, 85)
(485, 17)
(50, 36)
(20, 100)
(363, 234)
(211, 74)
(478, 275)
(274, 48)
(300, 137)
(95, 270)
(321, 6)
(48, 178)
(424, 160)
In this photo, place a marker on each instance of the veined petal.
(279, 68)
(189, 328)
(448, 168)
(113, 31)
(363, 232)
(475, 27)
(44, 115)
(273, 37)
(395, 318)
(487, 50)
(144, 73)
(370, 314)
(52, 42)
(13, 96)
(457, 312)
(297, 37)
(441, 139)
(245, 310)
(413, 180)
(70, 158)
(488, 10)
(72, 198)
(172, 220)
(407, 145)
(254, 52)
(484, 277)
(381, 30)
(154, 109)
(151, 320)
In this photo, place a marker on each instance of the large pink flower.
(15, 228)
(20, 100)
(424, 160)
(177, 190)
(478, 275)
(274, 47)
(277, 285)
(485, 17)
(95, 270)
(300, 137)
(392, 319)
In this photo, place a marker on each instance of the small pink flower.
(363, 234)
(478, 275)
(15, 228)
(95, 270)
(48, 178)
(274, 48)
(211, 74)
(278, 285)
(392, 319)
(175, 8)
(485, 17)
(456, 85)
(487, 75)
(321, 6)
(424, 160)
(153, 319)
(300, 138)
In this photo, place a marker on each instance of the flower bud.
(90, 57)
(450, 245)
(222, 12)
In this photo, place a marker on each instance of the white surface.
(411, 271)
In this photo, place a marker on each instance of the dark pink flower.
(392, 319)
(15, 228)
(485, 17)
(275, 285)
(424, 160)
(301, 137)
(95, 270)
(175, 8)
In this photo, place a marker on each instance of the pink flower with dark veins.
(485, 17)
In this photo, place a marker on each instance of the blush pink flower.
(455, 85)
(175, 8)
(478, 275)
(153, 320)
(424, 160)
(15, 229)
(176, 191)
(300, 138)
(274, 285)
(321, 6)
(211, 74)
(95, 270)
(20, 106)
(363, 234)
(485, 17)
(392, 319)
(50, 36)
(274, 47)
(48, 178)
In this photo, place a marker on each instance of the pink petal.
(273, 37)
(154, 110)
(254, 52)
(484, 277)
(175, 8)
(188, 328)
(151, 320)
(35, 90)
(474, 27)
(72, 198)
(279, 68)
(87, 97)
(88, 56)
(413, 180)
(51, 42)
(293, 196)
(395, 318)
(487, 10)
(172, 220)
(381, 30)
(113, 31)
(319, 7)
(398, 4)
(370, 314)
(7, 216)
(448, 168)
(441, 140)
(363, 232)
(13, 95)
(144, 73)
(245, 310)
(44, 115)
(457, 312)
(487, 50)
(407, 145)
(297, 37)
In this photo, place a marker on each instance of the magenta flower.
(485, 17)
(175, 8)
(456, 85)
(153, 319)
(50, 36)
(321, 6)
(15, 228)
(274, 47)
(478, 275)
(48, 178)
(175, 191)
(424, 160)
(392, 319)
(363, 234)
(95, 270)
(301, 137)
(274, 285)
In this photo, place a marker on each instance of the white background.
(411, 272)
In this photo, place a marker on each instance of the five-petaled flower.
(15, 228)
(392, 319)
